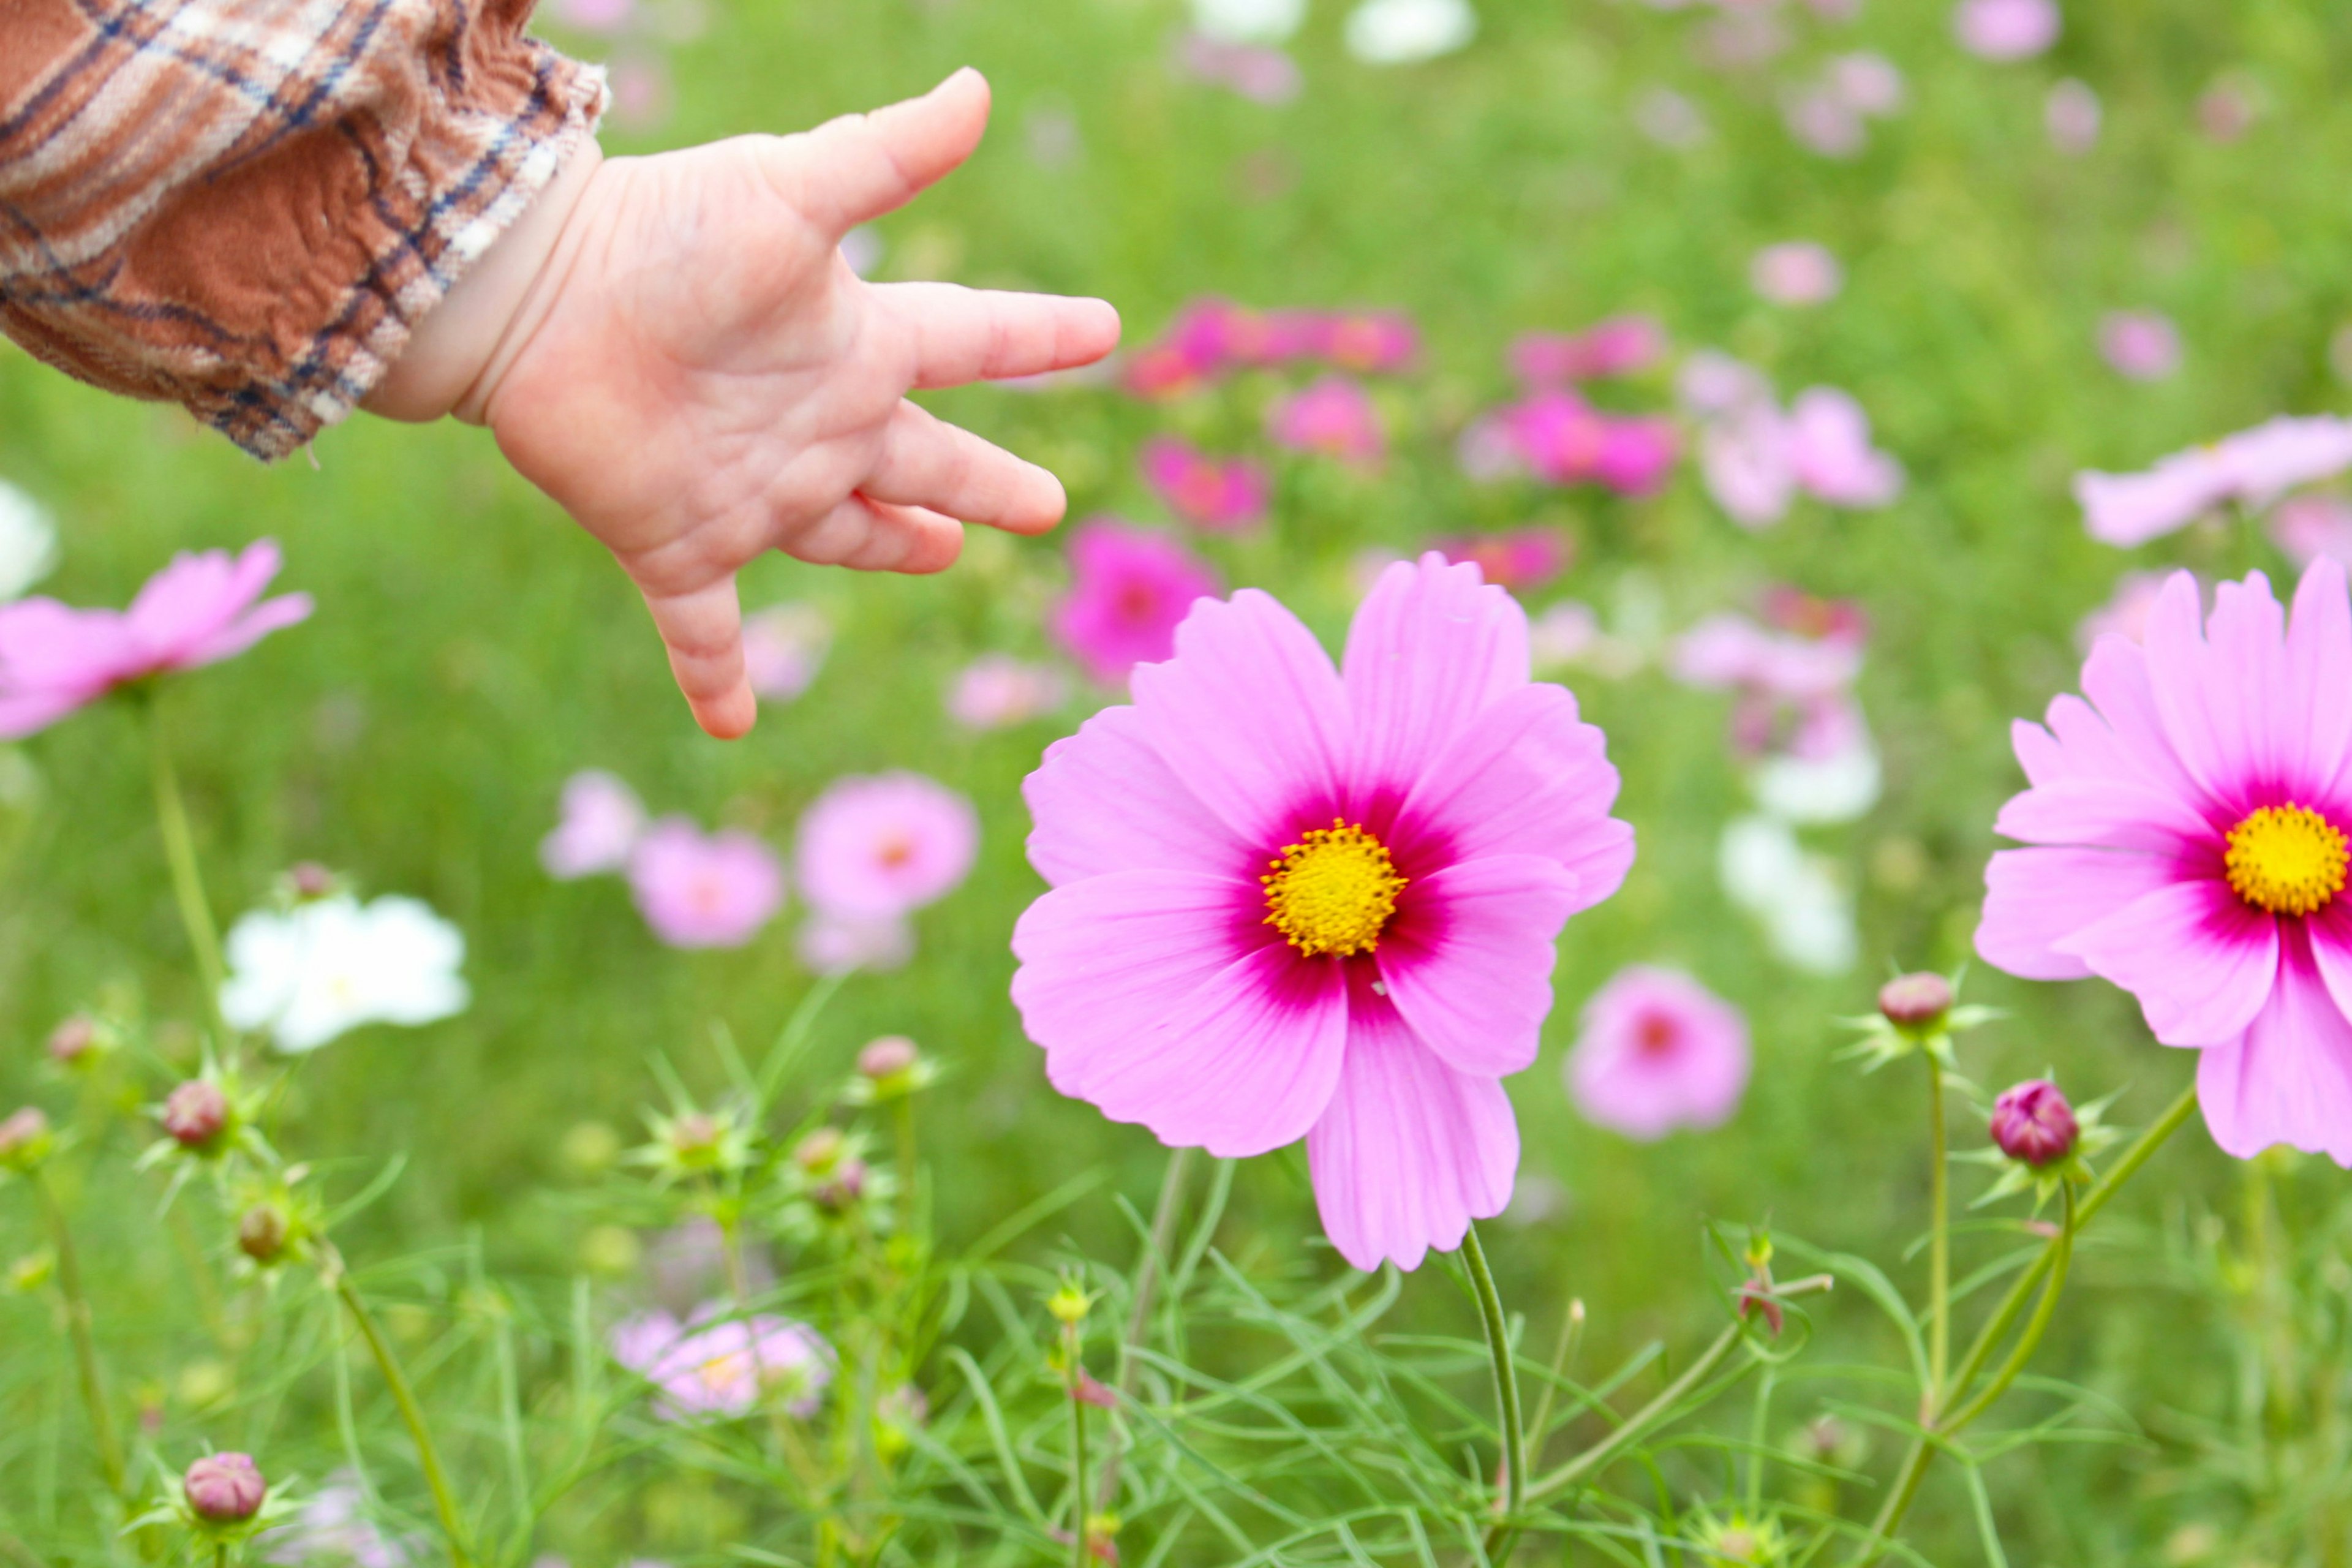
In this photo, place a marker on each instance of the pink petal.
(1104, 801)
(2177, 665)
(2318, 699)
(2039, 752)
(2246, 681)
(1150, 1003)
(1409, 1152)
(277, 615)
(2288, 1078)
(1468, 960)
(195, 597)
(2117, 678)
(2036, 898)
(1431, 646)
(2330, 936)
(48, 646)
(34, 711)
(1250, 716)
(2105, 812)
(2200, 961)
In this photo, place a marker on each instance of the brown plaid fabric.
(245, 206)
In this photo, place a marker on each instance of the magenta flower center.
(1657, 1035)
(2288, 860)
(1333, 891)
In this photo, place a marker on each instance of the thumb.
(703, 630)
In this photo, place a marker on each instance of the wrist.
(455, 355)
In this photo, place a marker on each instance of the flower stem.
(1158, 1249)
(1638, 1425)
(1081, 1548)
(85, 1348)
(2056, 1256)
(903, 1126)
(187, 879)
(1939, 1239)
(411, 1415)
(2062, 1255)
(1506, 1375)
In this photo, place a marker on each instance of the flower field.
(1343, 1008)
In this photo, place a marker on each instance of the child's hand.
(685, 362)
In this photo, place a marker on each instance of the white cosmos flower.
(1249, 21)
(1835, 788)
(1798, 895)
(28, 543)
(326, 967)
(1400, 32)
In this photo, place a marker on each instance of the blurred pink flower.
(197, 611)
(2310, 526)
(1256, 72)
(604, 16)
(2072, 115)
(1560, 439)
(1333, 416)
(1744, 460)
(602, 821)
(1522, 558)
(2227, 109)
(1620, 345)
(1830, 454)
(1636, 455)
(1658, 1051)
(834, 944)
(2006, 29)
(1869, 83)
(2253, 466)
(1130, 590)
(2125, 613)
(997, 690)
(704, 891)
(1712, 384)
(1797, 272)
(882, 847)
(712, 1366)
(1207, 338)
(1367, 341)
(1432, 819)
(1824, 123)
(642, 97)
(1755, 459)
(1669, 118)
(2143, 345)
(1221, 496)
(1793, 674)
(783, 649)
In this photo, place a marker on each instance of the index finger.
(855, 169)
(969, 334)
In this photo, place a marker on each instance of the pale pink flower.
(2125, 613)
(2227, 109)
(602, 821)
(1293, 901)
(2072, 114)
(1744, 459)
(1669, 118)
(1334, 416)
(199, 610)
(783, 649)
(1658, 1051)
(996, 690)
(1522, 558)
(1869, 83)
(603, 17)
(1130, 590)
(2253, 466)
(699, 890)
(1220, 495)
(1824, 123)
(2307, 527)
(882, 847)
(1367, 341)
(1831, 455)
(835, 944)
(1255, 71)
(2006, 29)
(2189, 831)
(1797, 272)
(1619, 345)
(2143, 345)
(1712, 385)
(642, 95)
(712, 1366)
(1792, 676)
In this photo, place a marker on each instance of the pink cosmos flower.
(1560, 439)
(2188, 824)
(1830, 450)
(1523, 558)
(1797, 272)
(882, 847)
(2072, 114)
(713, 1367)
(1290, 901)
(601, 823)
(997, 690)
(783, 649)
(199, 610)
(704, 891)
(1367, 341)
(1823, 121)
(2143, 345)
(2253, 466)
(1620, 345)
(1256, 72)
(1131, 589)
(604, 16)
(1658, 1051)
(2310, 526)
(1793, 677)
(1869, 83)
(838, 944)
(1207, 338)
(2006, 29)
(1220, 495)
(1334, 416)
(2125, 613)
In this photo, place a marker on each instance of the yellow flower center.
(1332, 891)
(2288, 860)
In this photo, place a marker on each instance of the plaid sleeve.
(245, 206)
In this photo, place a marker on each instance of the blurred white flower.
(328, 966)
(28, 543)
(1798, 895)
(1249, 21)
(1401, 32)
(1838, 787)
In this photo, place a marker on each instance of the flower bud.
(887, 1057)
(1069, 1305)
(74, 1041)
(226, 1488)
(309, 879)
(262, 1231)
(2032, 1123)
(694, 1135)
(1916, 1003)
(195, 1113)
(843, 1188)
(821, 1151)
(24, 1140)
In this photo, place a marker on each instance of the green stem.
(2062, 1255)
(187, 879)
(1923, 1452)
(411, 1415)
(1147, 1271)
(1506, 1375)
(1597, 1458)
(1081, 1548)
(85, 1347)
(903, 1124)
(1939, 1238)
